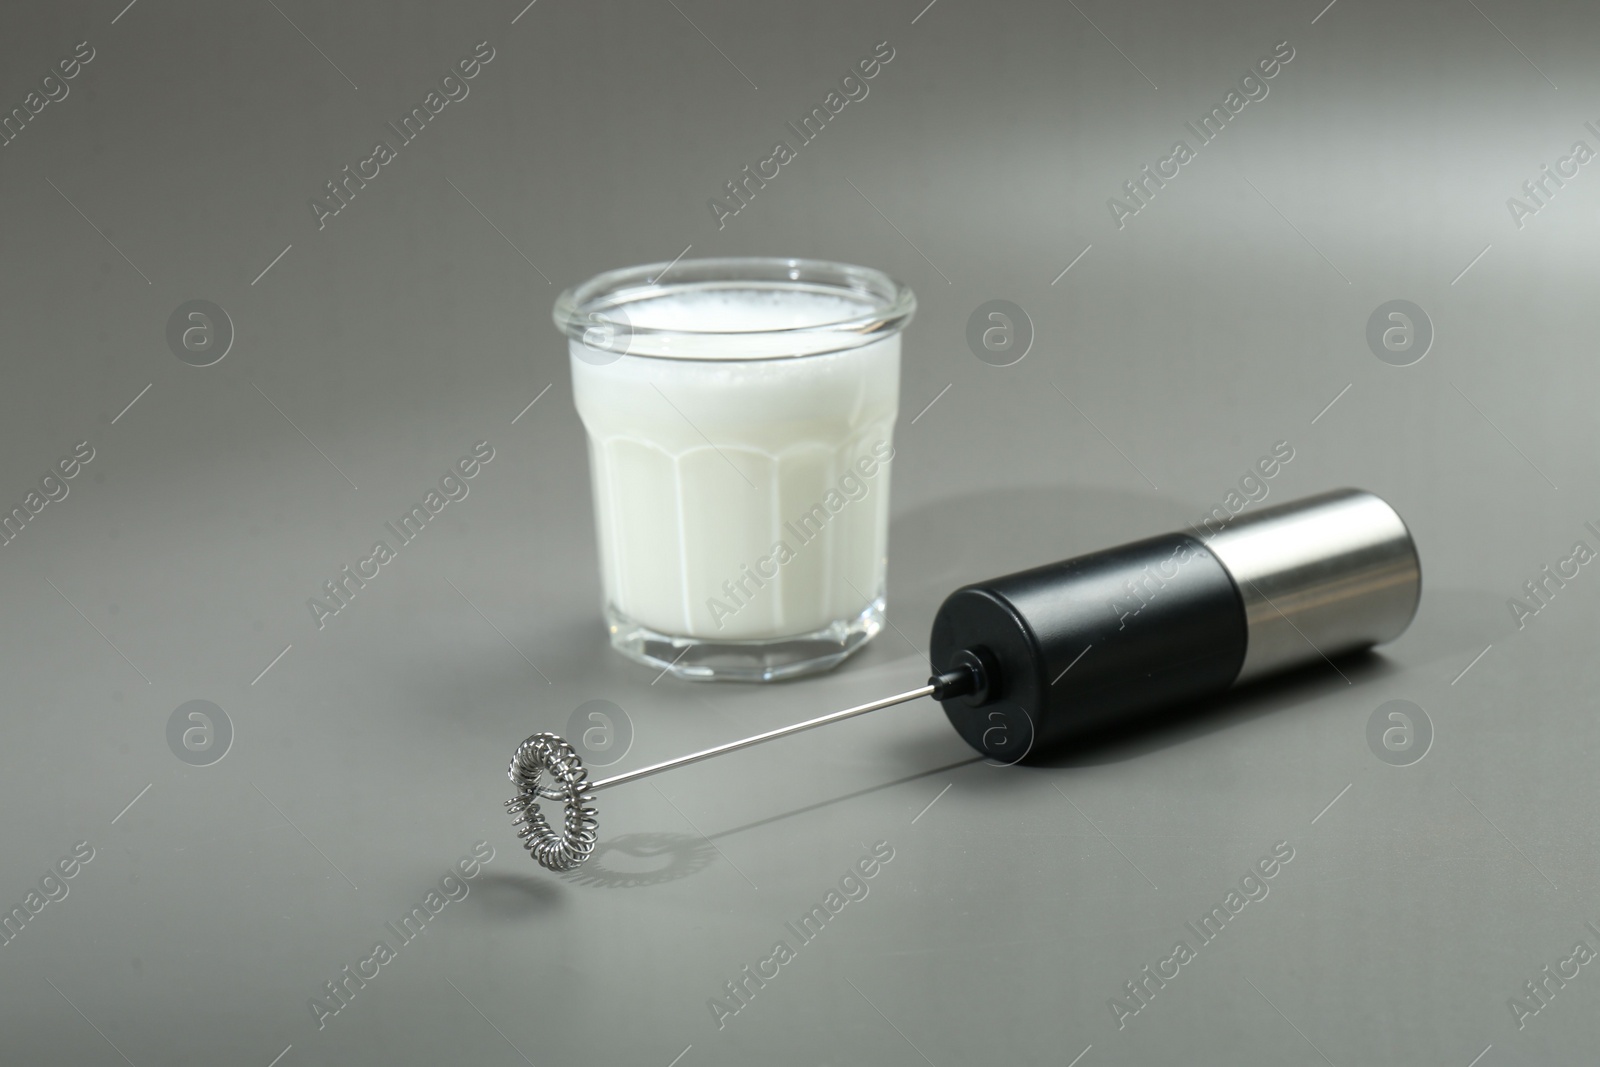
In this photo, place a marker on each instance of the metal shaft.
(770, 735)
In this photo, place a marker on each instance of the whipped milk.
(737, 498)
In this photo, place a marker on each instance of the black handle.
(1072, 647)
(1035, 659)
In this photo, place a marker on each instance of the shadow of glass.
(969, 537)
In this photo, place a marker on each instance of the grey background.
(1225, 317)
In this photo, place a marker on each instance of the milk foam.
(743, 310)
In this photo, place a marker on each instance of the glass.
(740, 416)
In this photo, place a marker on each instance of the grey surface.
(1223, 318)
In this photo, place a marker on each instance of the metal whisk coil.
(549, 754)
(539, 755)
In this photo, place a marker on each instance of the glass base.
(700, 659)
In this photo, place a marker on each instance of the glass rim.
(594, 313)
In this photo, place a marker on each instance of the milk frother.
(1032, 661)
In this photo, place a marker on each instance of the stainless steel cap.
(1331, 573)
